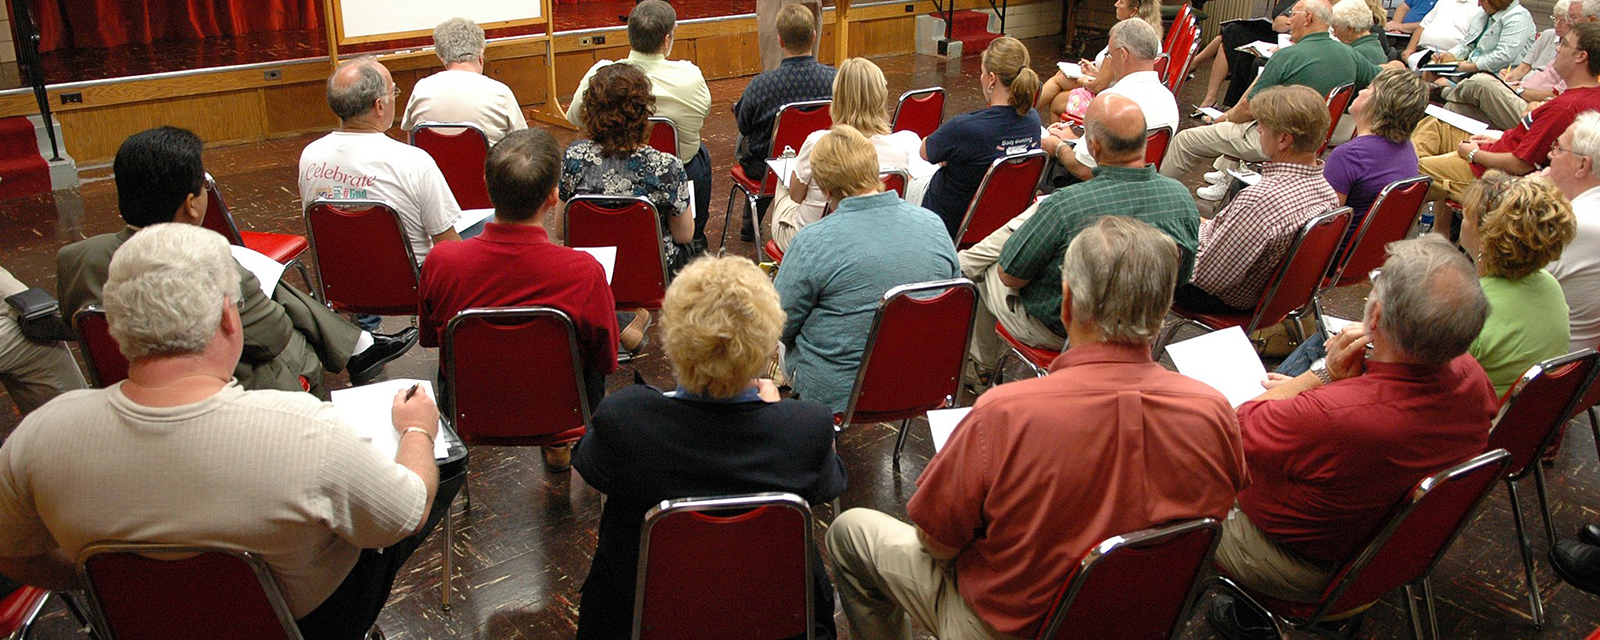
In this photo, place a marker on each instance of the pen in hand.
(413, 391)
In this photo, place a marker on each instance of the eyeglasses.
(394, 92)
(1372, 276)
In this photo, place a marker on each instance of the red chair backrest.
(1138, 585)
(364, 260)
(1540, 403)
(639, 279)
(515, 376)
(216, 594)
(1007, 189)
(1180, 22)
(1589, 398)
(19, 609)
(797, 120)
(736, 567)
(1162, 62)
(664, 135)
(217, 217)
(1155, 144)
(460, 149)
(1414, 537)
(912, 362)
(895, 180)
(107, 365)
(1338, 100)
(1300, 275)
(920, 110)
(1388, 220)
(1188, 46)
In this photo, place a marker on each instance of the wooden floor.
(525, 546)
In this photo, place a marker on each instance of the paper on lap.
(942, 423)
(1457, 120)
(782, 169)
(266, 270)
(471, 217)
(1335, 324)
(369, 410)
(1211, 112)
(1225, 361)
(607, 256)
(1070, 69)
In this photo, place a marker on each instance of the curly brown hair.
(617, 107)
(1523, 223)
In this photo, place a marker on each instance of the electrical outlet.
(72, 98)
(272, 74)
(911, 8)
(599, 39)
(584, 41)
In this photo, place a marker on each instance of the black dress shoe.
(1589, 534)
(1236, 621)
(1578, 564)
(365, 365)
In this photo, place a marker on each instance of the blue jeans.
(698, 169)
(1299, 361)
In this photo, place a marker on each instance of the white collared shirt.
(1578, 271)
(1145, 89)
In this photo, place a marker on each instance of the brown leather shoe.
(558, 457)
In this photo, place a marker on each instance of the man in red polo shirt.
(512, 263)
(1332, 451)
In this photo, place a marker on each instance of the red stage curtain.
(65, 24)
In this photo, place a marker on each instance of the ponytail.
(1024, 89)
(1007, 59)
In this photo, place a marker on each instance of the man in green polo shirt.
(1315, 60)
(1021, 285)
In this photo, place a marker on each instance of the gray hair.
(1111, 144)
(1138, 37)
(1321, 10)
(1560, 8)
(354, 98)
(166, 288)
(1121, 273)
(1591, 8)
(1351, 14)
(458, 40)
(1586, 136)
(1432, 304)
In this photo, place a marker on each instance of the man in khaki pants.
(767, 28)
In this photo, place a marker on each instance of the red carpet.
(972, 29)
(22, 171)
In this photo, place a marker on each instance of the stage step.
(23, 171)
(972, 29)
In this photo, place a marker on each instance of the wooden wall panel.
(728, 56)
(296, 108)
(525, 76)
(219, 118)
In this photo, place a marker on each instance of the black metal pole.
(32, 69)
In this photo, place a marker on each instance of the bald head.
(1114, 130)
(356, 86)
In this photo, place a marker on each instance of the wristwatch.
(1320, 368)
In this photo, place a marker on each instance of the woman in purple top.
(1380, 153)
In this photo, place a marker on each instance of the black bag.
(39, 314)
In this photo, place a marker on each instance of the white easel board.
(358, 21)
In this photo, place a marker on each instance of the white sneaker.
(1213, 192)
(1217, 177)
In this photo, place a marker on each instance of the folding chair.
(364, 259)
(141, 593)
(18, 611)
(1185, 45)
(1179, 22)
(725, 568)
(1007, 189)
(639, 279)
(1155, 144)
(515, 378)
(795, 121)
(1298, 280)
(107, 365)
(1338, 101)
(285, 248)
(1401, 553)
(1388, 219)
(460, 149)
(914, 354)
(920, 111)
(1527, 426)
(893, 180)
(664, 135)
(1139, 585)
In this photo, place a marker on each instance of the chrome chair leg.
(1413, 614)
(900, 442)
(999, 376)
(727, 214)
(449, 544)
(1544, 503)
(1535, 604)
(1594, 425)
(1427, 602)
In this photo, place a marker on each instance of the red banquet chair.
(514, 378)
(1402, 552)
(664, 135)
(1181, 56)
(1179, 22)
(1156, 142)
(107, 365)
(1338, 101)
(1007, 189)
(1388, 220)
(459, 148)
(920, 111)
(914, 354)
(18, 611)
(1527, 426)
(181, 592)
(795, 121)
(1296, 284)
(639, 279)
(1139, 585)
(285, 248)
(364, 259)
(757, 548)
(893, 180)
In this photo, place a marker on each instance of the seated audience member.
(722, 432)
(462, 93)
(1242, 246)
(968, 143)
(1498, 38)
(1333, 450)
(32, 371)
(1351, 22)
(514, 264)
(272, 473)
(1316, 61)
(860, 93)
(1131, 67)
(1511, 228)
(1380, 153)
(1453, 158)
(681, 94)
(838, 268)
(1408, 16)
(799, 78)
(1225, 56)
(981, 557)
(359, 161)
(1575, 170)
(1061, 94)
(617, 159)
(1502, 104)
(1444, 27)
(1017, 267)
(289, 337)
(770, 37)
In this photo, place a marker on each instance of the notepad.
(369, 410)
(1211, 112)
(607, 256)
(1259, 48)
(1249, 178)
(1070, 69)
(942, 423)
(1225, 361)
(470, 217)
(267, 271)
(1457, 120)
(1335, 324)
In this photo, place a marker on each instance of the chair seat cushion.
(743, 181)
(282, 247)
(15, 607)
(1039, 357)
(774, 252)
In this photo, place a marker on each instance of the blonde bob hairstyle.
(720, 324)
(844, 163)
(1523, 223)
(860, 97)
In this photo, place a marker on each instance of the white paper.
(471, 217)
(1223, 359)
(1335, 324)
(266, 270)
(1457, 120)
(1259, 48)
(782, 169)
(1070, 69)
(942, 423)
(1211, 112)
(368, 409)
(1249, 178)
(1284, 40)
(606, 255)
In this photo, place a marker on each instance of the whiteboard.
(378, 20)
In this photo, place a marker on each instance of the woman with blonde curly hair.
(721, 432)
(1512, 228)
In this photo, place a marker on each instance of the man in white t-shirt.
(1133, 46)
(359, 161)
(179, 453)
(1444, 26)
(1575, 169)
(461, 93)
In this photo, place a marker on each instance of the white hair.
(1138, 37)
(1351, 14)
(1586, 136)
(1560, 8)
(166, 288)
(458, 40)
(1591, 8)
(1122, 273)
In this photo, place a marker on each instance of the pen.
(413, 390)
